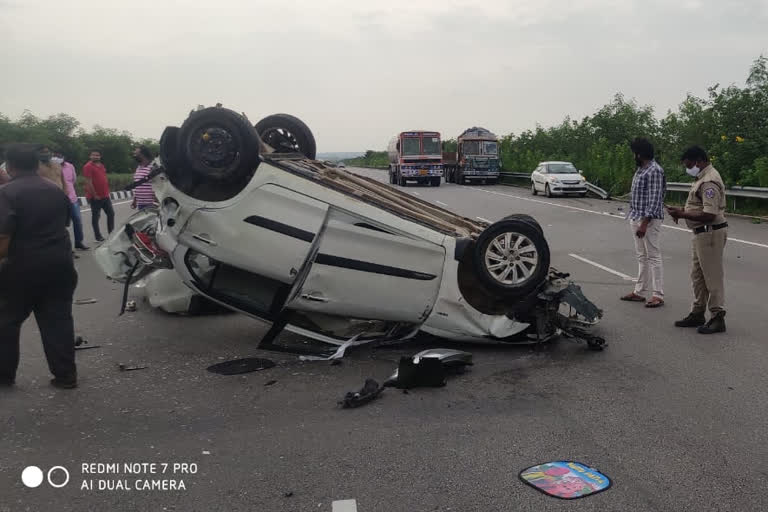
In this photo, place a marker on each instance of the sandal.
(655, 302)
(633, 297)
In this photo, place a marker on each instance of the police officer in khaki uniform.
(704, 213)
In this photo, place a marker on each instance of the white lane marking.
(344, 506)
(607, 214)
(603, 267)
(441, 203)
(113, 204)
(484, 220)
(415, 193)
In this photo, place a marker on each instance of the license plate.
(423, 172)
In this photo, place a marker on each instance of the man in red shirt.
(97, 193)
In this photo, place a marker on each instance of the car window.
(244, 290)
(564, 168)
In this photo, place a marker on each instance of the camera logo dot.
(32, 476)
(60, 482)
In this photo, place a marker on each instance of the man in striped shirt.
(143, 195)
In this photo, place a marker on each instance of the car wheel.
(547, 192)
(533, 189)
(583, 194)
(287, 134)
(511, 258)
(218, 144)
(436, 182)
(524, 217)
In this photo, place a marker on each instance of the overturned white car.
(248, 219)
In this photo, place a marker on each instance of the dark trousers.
(77, 223)
(52, 305)
(96, 206)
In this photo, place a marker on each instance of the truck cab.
(415, 156)
(477, 158)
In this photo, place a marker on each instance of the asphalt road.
(677, 420)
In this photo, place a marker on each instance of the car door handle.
(313, 298)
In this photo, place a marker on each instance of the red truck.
(415, 156)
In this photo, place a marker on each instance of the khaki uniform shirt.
(707, 195)
(52, 172)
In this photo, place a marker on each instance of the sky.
(357, 72)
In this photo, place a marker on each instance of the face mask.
(137, 158)
(693, 171)
(57, 160)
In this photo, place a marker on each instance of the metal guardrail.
(592, 188)
(753, 192)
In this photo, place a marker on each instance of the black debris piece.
(369, 392)
(238, 366)
(429, 368)
(427, 372)
(83, 302)
(126, 368)
(80, 343)
(270, 382)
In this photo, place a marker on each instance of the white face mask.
(693, 171)
(57, 160)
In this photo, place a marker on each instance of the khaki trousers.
(650, 269)
(707, 273)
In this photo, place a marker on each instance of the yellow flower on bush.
(723, 137)
(739, 139)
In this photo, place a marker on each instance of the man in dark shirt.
(37, 273)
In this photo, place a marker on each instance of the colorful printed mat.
(565, 479)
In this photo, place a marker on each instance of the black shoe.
(716, 324)
(7, 383)
(81, 247)
(99, 239)
(692, 320)
(64, 383)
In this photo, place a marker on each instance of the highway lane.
(676, 419)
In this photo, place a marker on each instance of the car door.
(536, 177)
(250, 253)
(367, 270)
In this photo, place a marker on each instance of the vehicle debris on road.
(428, 368)
(125, 368)
(369, 392)
(83, 302)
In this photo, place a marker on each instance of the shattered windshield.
(411, 146)
(431, 145)
(471, 147)
(561, 169)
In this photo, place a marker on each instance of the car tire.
(515, 273)
(436, 182)
(218, 144)
(169, 148)
(533, 189)
(524, 217)
(583, 194)
(547, 191)
(287, 134)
